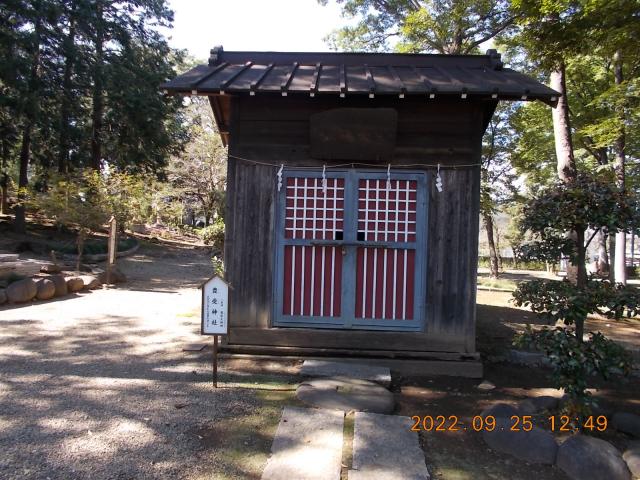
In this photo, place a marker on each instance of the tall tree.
(69, 54)
(441, 26)
(199, 173)
(498, 177)
(34, 17)
(97, 112)
(544, 34)
(553, 35)
(79, 87)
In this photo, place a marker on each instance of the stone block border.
(580, 457)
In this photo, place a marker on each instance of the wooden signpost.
(112, 247)
(215, 296)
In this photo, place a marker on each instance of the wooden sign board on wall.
(354, 134)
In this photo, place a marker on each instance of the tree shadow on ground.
(103, 398)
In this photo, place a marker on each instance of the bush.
(509, 263)
(213, 234)
(218, 266)
(554, 300)
(94, 246)
(574, 361)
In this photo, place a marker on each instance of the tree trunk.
(620, 266)
(604, 265)
(98, 85)
(80, 243)
(23, 179)
(498, 248)
(612, 257)
(4, 180)
(603, 255)
(493, 257)
(65, 107)
(515, 258)
(566, 163)
(32, 100)
(581, 280)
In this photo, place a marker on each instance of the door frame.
(347, 321)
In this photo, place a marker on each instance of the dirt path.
(96, 385)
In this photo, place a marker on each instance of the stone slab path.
(346, 394)
(307, 446)
(385, 448)
(324, 368)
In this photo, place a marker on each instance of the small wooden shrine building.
(353, 196)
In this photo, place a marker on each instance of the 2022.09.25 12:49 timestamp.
(517, 423)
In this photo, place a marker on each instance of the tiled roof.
(357, 74)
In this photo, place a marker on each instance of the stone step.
(385, 448)
(307, 446)
(346, 394)
(323, 368)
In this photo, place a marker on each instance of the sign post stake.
(111, 247)
(215, 361)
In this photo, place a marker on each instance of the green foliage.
(551, 249)
(575, 362)
(218, 266)
(80, 78)
(533, 154)
(127, 197)
(75, 201)
(94, 246)
(510, 264)
(587, 203)
(554, 300)
(420, 25)
(213, 234)
(169, 209)
(498, 176)
(198, 174)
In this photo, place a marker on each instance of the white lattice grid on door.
(387, 210)
(310, 214)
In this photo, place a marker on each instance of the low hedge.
(508, 263)
(94, 246)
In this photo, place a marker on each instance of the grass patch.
(347, 445)
(260, 382)
(242, 444)
(497, 283)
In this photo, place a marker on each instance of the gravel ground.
(96, 385)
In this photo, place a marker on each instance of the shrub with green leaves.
(76, 201)
(218, 266)
(586, 204)
(213, 234)
(561, 300)
(557, 221)
(575, 362)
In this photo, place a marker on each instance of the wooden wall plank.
(341, 339)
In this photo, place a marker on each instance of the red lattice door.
(351, 250)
